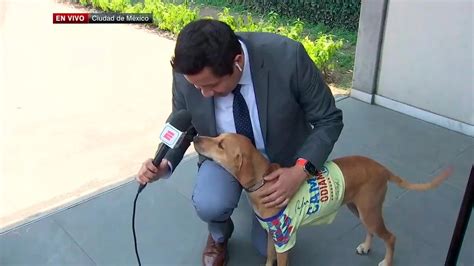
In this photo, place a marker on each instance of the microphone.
(178, 131)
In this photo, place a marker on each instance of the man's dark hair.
(206, 43)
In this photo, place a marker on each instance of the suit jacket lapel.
(210, 115)
(204, 112)
(260, 75)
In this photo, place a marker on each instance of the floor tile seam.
(458, 155)
(467, 148)
(453, 186)
(427, 173)
(73, 240)
(66, 206)
(76, 202)
(354, 227)
(396, 199)
(441, 166)
(406, 192)
(181, 194)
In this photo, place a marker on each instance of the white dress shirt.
(223, 106)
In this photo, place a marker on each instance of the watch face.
(310, 168)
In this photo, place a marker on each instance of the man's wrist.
(169, 172)
(307, 166)
(302, 174)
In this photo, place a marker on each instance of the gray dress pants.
(215, 197)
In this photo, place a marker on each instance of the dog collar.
(255, 187)
(258, 185)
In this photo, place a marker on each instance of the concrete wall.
(426, 59)
(370, 36)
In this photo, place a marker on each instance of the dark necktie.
(243, 124)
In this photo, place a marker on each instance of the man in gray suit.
(263, 86)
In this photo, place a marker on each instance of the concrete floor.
(98, 230)
(69, 150)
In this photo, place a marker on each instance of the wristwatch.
(308, 167)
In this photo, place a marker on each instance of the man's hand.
(279, 193)
(149, 172)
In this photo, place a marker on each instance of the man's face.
(211, 85)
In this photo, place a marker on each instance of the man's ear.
(238, 61)
(238, 58)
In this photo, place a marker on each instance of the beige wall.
(427, 56)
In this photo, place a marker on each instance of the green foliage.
(321, 50)
(137, 8)
(294, 31)
(168, 16)
(84, 2)
(341, 13)
(94, 3)
(156, 8)
(173, 17)
(118, 5)
(101, 4)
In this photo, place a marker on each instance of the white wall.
(427, 56)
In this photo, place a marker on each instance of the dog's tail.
(422, 186)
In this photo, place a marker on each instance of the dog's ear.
(245, 171)
(238, 161)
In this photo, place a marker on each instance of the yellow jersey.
(316, 202)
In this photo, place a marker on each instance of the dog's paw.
(362, 249)
(383, 263)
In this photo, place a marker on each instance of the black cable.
(188, 138)
(133, 223)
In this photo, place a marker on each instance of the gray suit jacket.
(296, 109)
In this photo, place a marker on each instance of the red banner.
(69, 18)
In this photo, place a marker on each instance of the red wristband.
(301, 162)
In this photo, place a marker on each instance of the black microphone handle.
(160, 154)
(163, 149)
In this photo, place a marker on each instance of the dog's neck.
(259, 182)
(262, 167)
(254, 168)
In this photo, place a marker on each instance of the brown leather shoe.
(214, 254)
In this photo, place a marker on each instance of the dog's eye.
(220, 145)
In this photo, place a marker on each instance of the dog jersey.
(316, 202)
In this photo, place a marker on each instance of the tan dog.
(365, 186)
